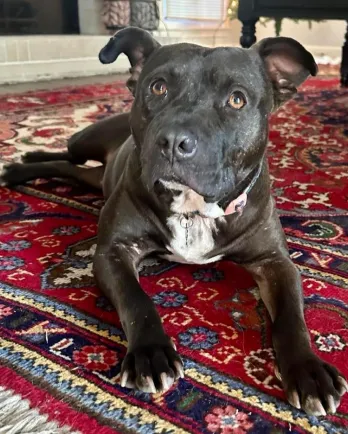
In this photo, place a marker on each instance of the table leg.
(344, 64)
(248, 38)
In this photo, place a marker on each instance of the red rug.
(61, 344)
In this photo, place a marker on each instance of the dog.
(185, 177)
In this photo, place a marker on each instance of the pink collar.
(237, 205)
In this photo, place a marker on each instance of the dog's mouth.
(221, 193)
(211, 181)
(175, 184)
(191, 202)
(207, 175)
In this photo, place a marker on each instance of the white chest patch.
(192, 239)
(191, 245)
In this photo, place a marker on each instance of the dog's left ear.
(287, 63)
(136, 44)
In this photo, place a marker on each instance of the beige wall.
(324, 34)
(328, 35)
(89, 17)
(45, 57)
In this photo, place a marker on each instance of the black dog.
(189, 181)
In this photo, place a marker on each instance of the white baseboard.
(40, 70)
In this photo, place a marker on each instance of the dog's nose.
(181, 145)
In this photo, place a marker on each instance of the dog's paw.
(314, 386)
(39, 157)
(33, 157)
(10, 174)
(151, 368)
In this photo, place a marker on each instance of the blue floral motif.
(15, 245)
(169, 299)
(10, 263)
(199, 338)
(330, 342)
(66, 230)
(208, 275)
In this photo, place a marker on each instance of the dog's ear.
(136, 44)
(287, 63)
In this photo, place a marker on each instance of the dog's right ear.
(136, 44)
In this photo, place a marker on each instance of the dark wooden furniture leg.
(344, 64)
(248, 38)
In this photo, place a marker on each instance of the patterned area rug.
(61, 344)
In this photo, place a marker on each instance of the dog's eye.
(237, 100)
(159, 87)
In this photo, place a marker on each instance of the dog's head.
(200, 115)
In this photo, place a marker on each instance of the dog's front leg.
(151, 363)
(309, 382)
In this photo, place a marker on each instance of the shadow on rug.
(61, 344)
